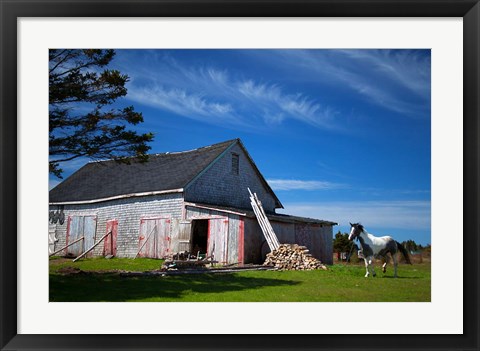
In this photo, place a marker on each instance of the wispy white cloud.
(383, 97)
(403, 66)
(218, 96)
(396, 80)
(291, 184)
(388, 214)
(295, 106)
(381, 77)
(191, 105)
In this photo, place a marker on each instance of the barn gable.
(226, 180)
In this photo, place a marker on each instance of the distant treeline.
(342, 244)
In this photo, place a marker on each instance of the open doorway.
(199, 236)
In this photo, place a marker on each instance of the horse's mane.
(359, 226)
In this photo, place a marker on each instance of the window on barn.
(235, 163)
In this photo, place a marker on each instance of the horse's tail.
(404, 252)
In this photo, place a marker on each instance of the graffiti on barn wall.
(57, 216)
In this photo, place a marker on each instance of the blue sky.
(340, 135)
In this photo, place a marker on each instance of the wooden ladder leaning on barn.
(267, 229)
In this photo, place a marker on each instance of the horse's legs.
(366, 267)
(387, 260)
(369, 266)
(370, 263)
(395, 263)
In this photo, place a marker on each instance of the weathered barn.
(194, 201)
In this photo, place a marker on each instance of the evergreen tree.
(411, 245)
(80, 124)
(341, 242)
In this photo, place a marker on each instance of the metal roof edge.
(294, 219)
(234, 211)
(117, 197)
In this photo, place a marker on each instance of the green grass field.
(341, 283)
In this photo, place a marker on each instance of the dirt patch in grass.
(70, 270)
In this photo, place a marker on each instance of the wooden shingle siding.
(220, 186)
(128, 213)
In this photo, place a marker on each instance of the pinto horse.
(372, 246)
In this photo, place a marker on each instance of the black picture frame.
(12, 10)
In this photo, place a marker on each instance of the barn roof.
(166, 172)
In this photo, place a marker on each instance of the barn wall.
(255, 246)
(219, 186)
(285, 232)
(128, 213)
(228, 241)
(317, 238)
(322, 243)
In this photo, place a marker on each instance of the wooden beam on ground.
(94, 245)
(148, 237)
(63, 248)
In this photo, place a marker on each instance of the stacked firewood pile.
(292, 257)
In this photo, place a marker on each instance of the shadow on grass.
(402, 277)
(112, 287)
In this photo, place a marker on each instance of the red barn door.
(218, 239)
(154, 238)
(110, 241)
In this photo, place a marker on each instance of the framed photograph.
(330, 75)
